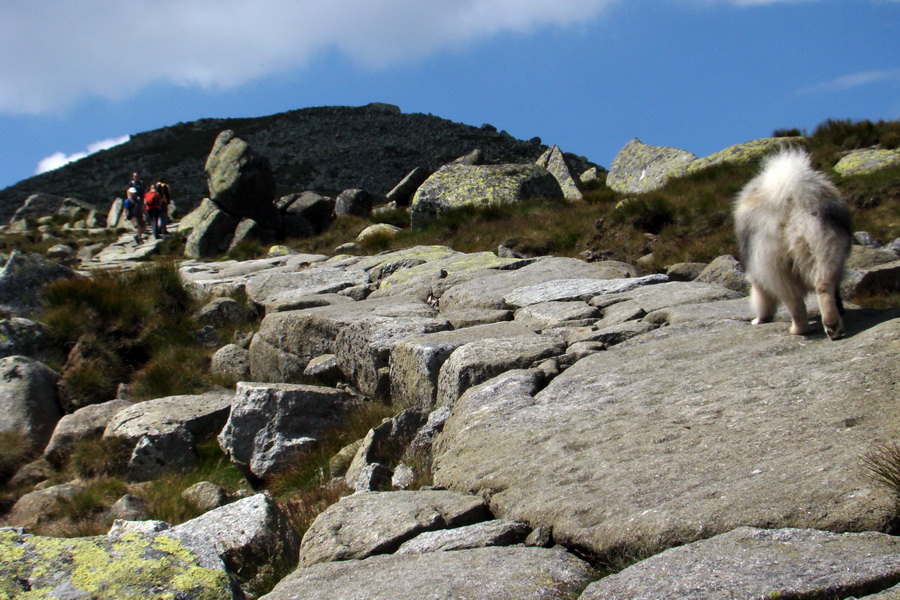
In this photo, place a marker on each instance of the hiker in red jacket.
(153, 206)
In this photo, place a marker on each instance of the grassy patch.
(99, 457)
(163, 496)
(131, 327)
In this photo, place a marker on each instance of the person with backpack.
(165, 193)
(135, 214)
(153, 206)
(137, 184)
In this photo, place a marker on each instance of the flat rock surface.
(379, 522)
(685, 432)
(761, 563)
(515, 573)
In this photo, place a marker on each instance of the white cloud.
(58, 159)
(54, 52)
(853, 80)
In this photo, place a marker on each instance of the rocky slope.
(326, 149)
(576, 415)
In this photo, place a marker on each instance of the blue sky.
(587, 75)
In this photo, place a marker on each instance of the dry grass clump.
(883, 466)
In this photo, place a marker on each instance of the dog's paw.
(835, 331)
(799, 328)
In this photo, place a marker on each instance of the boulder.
(479, 535)
(38, 506)
(593, 176)
(726, 271)
(163, 433)
(195, 217)
(252, 537)
(403, 192)
(248, 229)
(353, 203)
(416, 362)
(378, 230)
(762, 563)
(706, 426)
(233, 361)
(383, 444)
(287, 341)
(547, 315)
(639, 168)
(222, 278)
(22, 280)
(116, 216)
(241, 182)
(363, 347)
(23, 337)
(638, 302)
(277, 289)
(459, 185)
(221, 312)
(315, 208)
(883, 278)
(206, 496)
(863, 257)
(212, 236)
(84, 423)
(865, 162)
(372, 523)
(686, 271)
(575, 290)
(131, 566)
(741, 154)
(491, 292)
(271, 423)
(296, 227)
(479, 361)
(129, 508)
(515, 573)
(28, 400)
(38, 205)
(554, 161)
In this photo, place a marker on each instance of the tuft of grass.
(340, 231)
(99, 457)
(14, 453)
(247, 249)
(174, 369)
(883, 466)
(398, 217)
(86, 512)
(303, 506)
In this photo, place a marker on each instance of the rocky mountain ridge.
(323, 149)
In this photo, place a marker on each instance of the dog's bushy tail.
(787, 174)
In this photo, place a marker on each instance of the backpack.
(151, 200)
(129, 208)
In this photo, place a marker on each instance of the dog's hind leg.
(831, 308)
(764, 304)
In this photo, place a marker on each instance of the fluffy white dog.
(794, 232)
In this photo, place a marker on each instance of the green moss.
(133, 566)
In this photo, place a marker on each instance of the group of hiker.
(148, 204)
